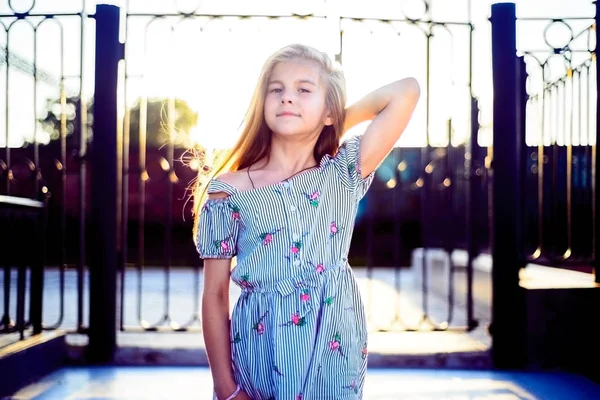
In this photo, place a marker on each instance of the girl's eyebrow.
(299, 81)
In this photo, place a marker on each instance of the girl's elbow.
(411, 88)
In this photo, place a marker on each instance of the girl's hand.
(242, 396)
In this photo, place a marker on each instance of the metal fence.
(560, 141)
(116, 198)
(545, 160)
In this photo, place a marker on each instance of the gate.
(123, 149)
(545, 163)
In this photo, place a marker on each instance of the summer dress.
(298, 329)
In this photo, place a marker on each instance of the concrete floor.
(170, 383)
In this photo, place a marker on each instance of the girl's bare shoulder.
(238, 179)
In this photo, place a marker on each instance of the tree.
(157, 121)
(51, 122)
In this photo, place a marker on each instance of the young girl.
(286, 211)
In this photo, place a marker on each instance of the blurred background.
(176, 76)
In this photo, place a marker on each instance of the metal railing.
(544, 162)
(23, 222)
(43, 72)
(118, 195)
(560, 142)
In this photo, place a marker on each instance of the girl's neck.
(290, 157)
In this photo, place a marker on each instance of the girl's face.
(295, 101)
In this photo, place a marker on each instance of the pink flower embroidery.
(299, 397)
(336, 344)
(295, 249)
(296, 320)
(268, 238)
(319, 268)
(224, 247)
(305, 296)
(333, 229)
(244, 282)
(235, 212)
(259, 327)
(364, 352)
(313, 198)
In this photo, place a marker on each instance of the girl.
(286, 211)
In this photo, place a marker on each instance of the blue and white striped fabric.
(298, 330)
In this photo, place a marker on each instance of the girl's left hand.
(242, 396)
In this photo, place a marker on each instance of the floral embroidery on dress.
(351, 167)
(236, 338)
(299, 396)
(296, 320)
(297, 245)
(223, 245)
(259, 327)
(334, 229)
(352, 386)
(319, 268)
(328, 301)
(364, 352)
(267, 237)
(336, 344)
(235, 212)
(313, 198)
(295, 249)
(305, 295)
(245, 281)
(277, 371)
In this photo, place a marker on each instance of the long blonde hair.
(254, 143)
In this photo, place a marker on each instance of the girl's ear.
(328, 119)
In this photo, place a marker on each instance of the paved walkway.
(168, 383)
(393, 300)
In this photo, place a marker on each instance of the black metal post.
(522, 98)
(36, 291)
(473, 211)
(103, 188)
(508, 313)
(597, 175)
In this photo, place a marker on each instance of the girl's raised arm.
(390, 109)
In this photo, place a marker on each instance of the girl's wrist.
(230, 395)
(224, 392)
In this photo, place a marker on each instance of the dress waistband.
(285, 287)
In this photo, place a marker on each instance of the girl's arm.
(215, 324)
(390, 107)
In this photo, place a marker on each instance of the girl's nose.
(286, 97)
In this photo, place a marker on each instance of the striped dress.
(298, 329)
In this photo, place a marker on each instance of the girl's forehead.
(296, 70)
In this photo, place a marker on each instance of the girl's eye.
(304, 90)
(275, 90)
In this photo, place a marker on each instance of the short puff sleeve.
(348, 165)
(218, 228)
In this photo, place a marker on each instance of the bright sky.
(214, 65)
